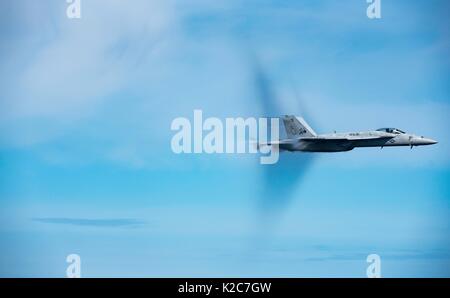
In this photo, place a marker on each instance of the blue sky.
(85, 159)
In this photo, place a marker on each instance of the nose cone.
(425, 141)
(430, 142)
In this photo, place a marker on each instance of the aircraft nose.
(426, 141)
(431, 141)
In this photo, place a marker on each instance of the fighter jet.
(301, 137)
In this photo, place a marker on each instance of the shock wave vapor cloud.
(87, 173)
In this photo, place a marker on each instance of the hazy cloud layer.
(111, 222)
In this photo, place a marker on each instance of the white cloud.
(71, 65)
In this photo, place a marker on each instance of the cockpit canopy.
(391, 130)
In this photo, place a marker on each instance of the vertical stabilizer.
(296, 127)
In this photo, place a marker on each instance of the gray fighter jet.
(301, 137)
